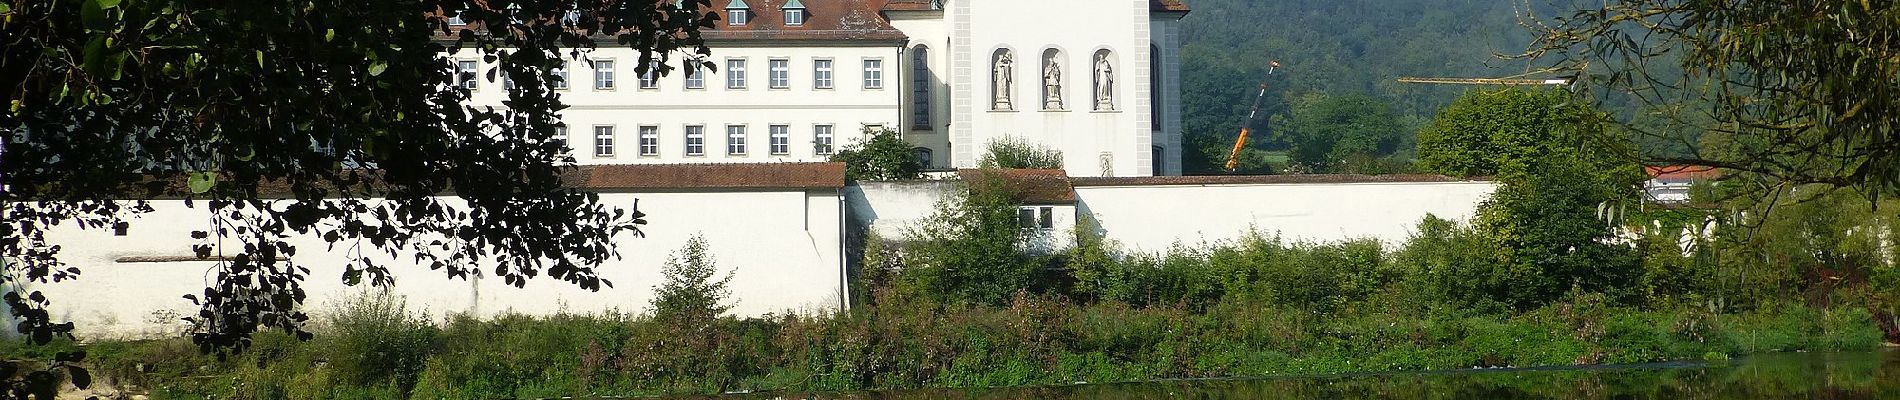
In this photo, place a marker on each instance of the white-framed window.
(695, 140)
(1036, 218)
(560, 136)
(780, 73)
(603, 74)
(794, 16)
(735, 73)
(920, 87)
(821, 72)
(735, 140)
(781, 139)
(821, 139)
(465, 74)
(651, 78)
(649, 140)
(696, 76)
(560, 77)
(738, 16)
(456, 19)
(603, 140)
(873, 74)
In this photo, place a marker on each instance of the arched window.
(1154, 85)
(923, 155)
(920, 88)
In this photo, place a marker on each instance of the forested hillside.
(1340, 59)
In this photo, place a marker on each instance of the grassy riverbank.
(372, 350)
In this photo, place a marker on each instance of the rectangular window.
(604, 141)
(649, 140)
(651, 78)
(456, 19)
(781, 139)
(735, 74)
(794, 16)
(821, 74)
(696, 76)
(465, 74)
(873, 74)
(821, 143)
(1036, 218)
(737, 17)
(560, 137)
(603, 74)
(695, 140)
(560, 78)
(735, 139)
(781, 74)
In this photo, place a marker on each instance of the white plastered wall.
(784, 248)
(1154, 218)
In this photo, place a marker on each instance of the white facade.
(1103, 60)
(613, 124)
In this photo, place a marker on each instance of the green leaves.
(201, 182)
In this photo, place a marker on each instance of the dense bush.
(1012, 152)
(885, 156)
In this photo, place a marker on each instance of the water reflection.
(1776, 376)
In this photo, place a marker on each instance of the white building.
(798, 79)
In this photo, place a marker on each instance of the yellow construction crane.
(1486, 81)
(1253, 114)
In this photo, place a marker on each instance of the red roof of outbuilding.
(1682, 172)
(710, 176)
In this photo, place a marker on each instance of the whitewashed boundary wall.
(1151, 214)
(783, 246)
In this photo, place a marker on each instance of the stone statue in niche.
(1051, 84)
(1002, 75)
(1104, 83)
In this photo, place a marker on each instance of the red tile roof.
(1682, 172)
(1257, 179)
(1031, 186)
(824, 20)
(710, 176)
(911, 5)
(1168, 5)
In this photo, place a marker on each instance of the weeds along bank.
(1251, 307)
(1543, 275)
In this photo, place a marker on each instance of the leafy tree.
(692, 292)
(1325, 131)
(288, 119)
(972, 249)
(1547, 215)
(885, 157)
(1797, 92)
(1014, 153)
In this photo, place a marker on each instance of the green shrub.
(691, 291)
(1014, 153)
(372, 340)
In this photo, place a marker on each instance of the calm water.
(1776, 376)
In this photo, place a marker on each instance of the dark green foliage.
(1555, 213)
(1802, 91)
(1015, 153)
(1324, 132)
(693, 291)
(973, 248)
(886, 156)
(269, 113)
(1337, 48)
(378, 342)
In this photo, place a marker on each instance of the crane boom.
(1484, 81)
(1246, 127)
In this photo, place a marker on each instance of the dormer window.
(794, 13)
(738, 13)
